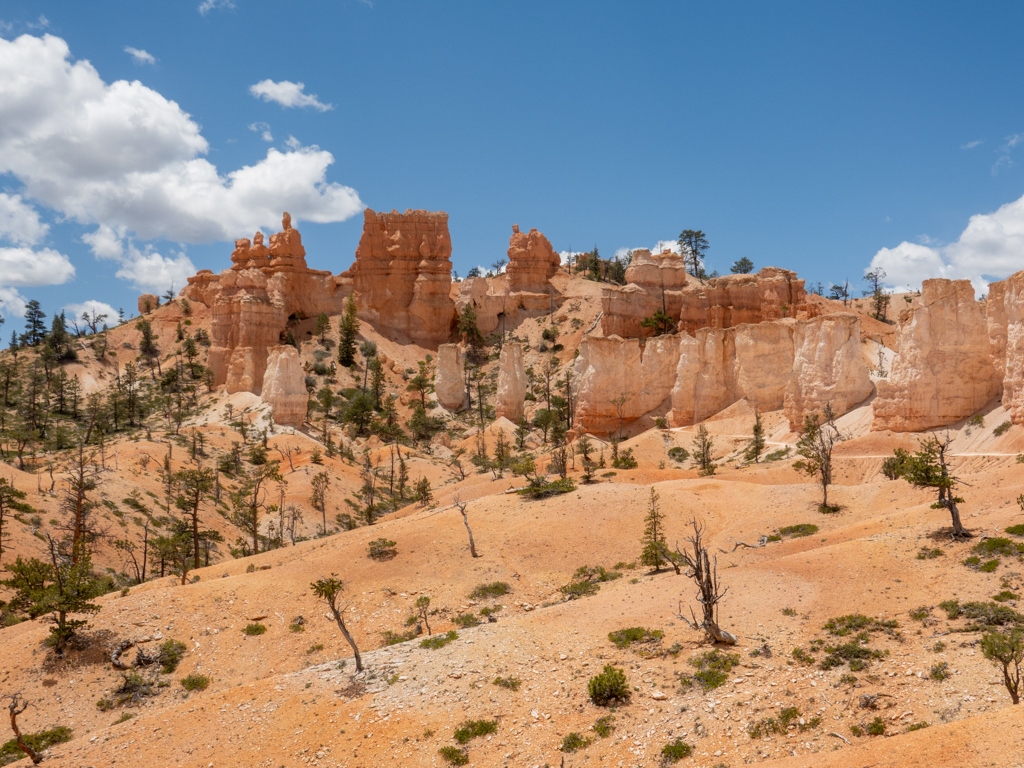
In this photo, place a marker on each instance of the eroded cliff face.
(284, 386)
(943, 371)
(512, 383)
(402, 275)
(252, 301)
(1005, 323)
(799, 364)
(450, 380)
(721, 302)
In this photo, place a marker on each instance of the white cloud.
(972, 144)
(140, 56)
(208, 5)
(564, 255)
(91, 306)
(105, 242)
(991, 246)
(19, 222)
(263, 129)
(27, 267)
(287, 94)
(1012, 141)
(148, 270)
(123, 156)
(666, 245)
(12, 302)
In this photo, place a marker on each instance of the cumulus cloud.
(990, 248)
(139, 56)
(19, 221)
(92, 307)
(148, 270)
(26, 267)
(105, 242)
(123, 156)
(263, 129)
(287, 94)
(209, 5)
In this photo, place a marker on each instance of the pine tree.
(323, 325)
(655, 551)
(756, 445)
(703, 451)
(349, 329)
(35, 328)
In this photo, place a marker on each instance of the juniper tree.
(423, 611)
(928, 468)
(757, 443)
(1007, 650)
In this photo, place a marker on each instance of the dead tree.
(17, 705)
(704, 572)
(462, 505)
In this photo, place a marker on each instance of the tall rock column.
(450, 381)
(512, 383)
(284, 386)
(943, 370)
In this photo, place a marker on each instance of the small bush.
(10, 752)
(254, 629)
(609, 687)
(712, 669)
(466, 620)
(382, 549)
(876, 727)
(315, 648)
(916, 726)
(675, 751)
(454, 755)
(920, 614)
(841, 626)
(769, 725)
(777, 455)
(439, 641)
(1002, 429)
(1016, 530)
(623, 638)
(494, 589)
(940, 671)
(195, 682)
(989, 566)
(802, 656)
(977, 420)
(929, 554)
(472, 729)
(124, 718)
(678, 454)
(998, 545)
(1005, 595)
(604, 726)
(170, 655)
(392, 638)
(854, 652)
(789, 611)
(984, 614)
(573, 742)
(539, 491)
(512, 683)
(798, 531)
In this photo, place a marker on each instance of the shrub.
(798, 531)
(254, 629)
(472, 729)
(678, 454)
(625, 460)
(466, 620)
(789, 611)
(929, 554)
(586, 581)
(623, 638)
(382, 549)
(392, 638)
(769, 725)
(494, 589)
(802, 656)
(10, 752)
(609, 687)
(977, 420)
(439, 641)
(1005, 595)
(675, 751)
(998, 545)
(854, 652)
(603, 726)
(170, 655)
(712, 669)
(315, 648)
(841, 626)
(512, 683)
(777, 455)
(984, 614)
(573, 742)
(920, 614)
(1007, 650)
(454, 755)
(1002, 429)
(940, 671)
(195, 682)
(540, 490)
(916, 726)
(1016, 530)
(876, 727)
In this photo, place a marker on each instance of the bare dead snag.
(115, 657)
(463, 505)
(761, 542)
(704, 572)
(17, 705)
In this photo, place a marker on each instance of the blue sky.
(824, 138)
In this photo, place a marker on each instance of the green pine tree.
(349, 330)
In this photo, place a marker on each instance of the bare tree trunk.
(344, 630)
(472, 546)
(16, 707)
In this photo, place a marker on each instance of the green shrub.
(623, 638)
(678, 454)
(382, 549)
(998, 545)
(977, 420)
(916, 726)
(876, 727)
(940, 671)
(789, 611)
(393, 638)
(512, 683)
(454, 755)
(439, 641)
(254, 629)
(798, 531)
(171, 652)
(540, 490)
(604, 726)
(573, 742)
(712, 669)
(466, 620)
(929, 554)
(609, 687)
(777, 455)
(802, 656)
(1002, 429)
(1016, 530)
(675, 751)
(989, 566)
(315, 648)
(769, 725)
(1005, 595)
(124, 718)
(841, 626)
(195, 682)
(494, 589)
(10, 752)
(854, 652)
(472, 729)
(984, 614)
(920, 614)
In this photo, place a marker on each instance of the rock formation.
(1005, 315)
(147, 303)
(532, 262)
(801, 364)
(450, 381)
(828, 367)
(402, 275)
(512, 383)
(253, 301)
(721, 302)
(284, 386)
(943, 371)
